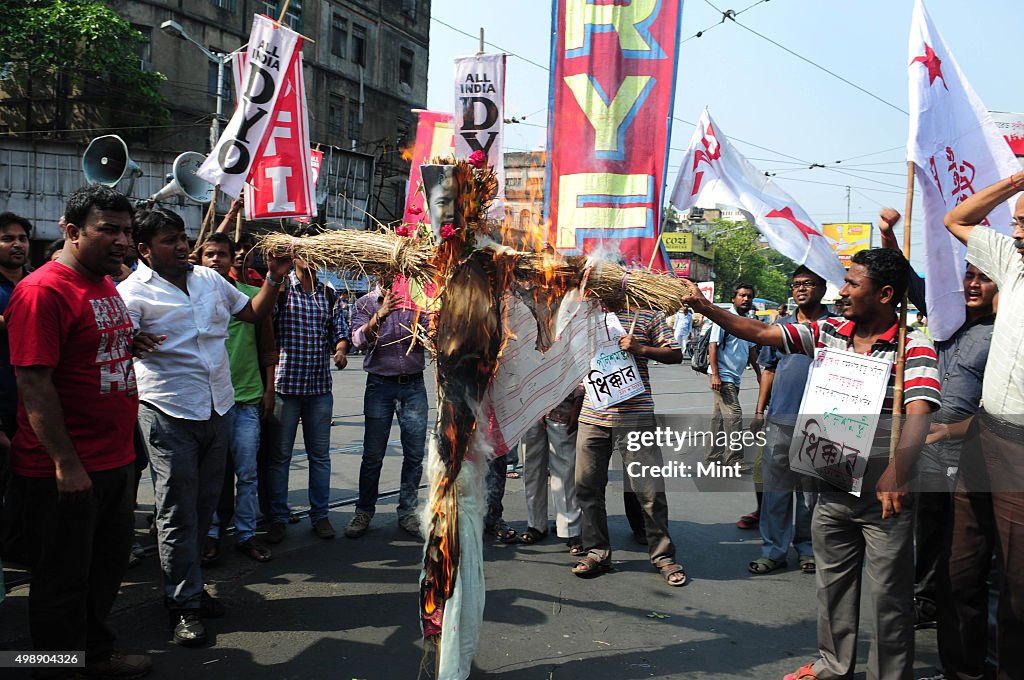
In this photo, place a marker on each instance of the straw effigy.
(382, 253)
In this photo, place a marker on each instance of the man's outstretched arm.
(961, 220)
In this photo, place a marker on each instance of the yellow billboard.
(678, 242)
(847, 238)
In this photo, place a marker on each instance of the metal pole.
(847, 205)
(215, 124)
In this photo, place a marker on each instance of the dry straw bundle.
(641, 288)
(379, 253)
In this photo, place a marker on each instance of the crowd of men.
(122, 352)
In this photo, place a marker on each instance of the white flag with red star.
(956, 150)
(715, 173)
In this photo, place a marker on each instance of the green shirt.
(242, 354)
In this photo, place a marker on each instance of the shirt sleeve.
(235, 299)
(34, 328)
(993, 253)
(799, 338)
(921, 371)
(360, 318)
(916, 291)
(341, 330)
(715, 334)
(660, 333)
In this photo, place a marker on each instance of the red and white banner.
(434, 134)
(611, 93)
(316, 159)
(479, 116)
(957, 151)
(273, 54)
(1011, 127)
(714, 172)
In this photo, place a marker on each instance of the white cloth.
(956, 150)
(189, 375)
(1002, 392)
(714, 173)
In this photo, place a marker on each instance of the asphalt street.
(348, 608)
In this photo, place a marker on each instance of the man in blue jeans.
(252, 355)
(309, 328)
(384, 326)
(788, 498)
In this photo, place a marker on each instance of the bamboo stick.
(901, 352)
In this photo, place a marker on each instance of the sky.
(759, 93)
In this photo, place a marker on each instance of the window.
(292, 18)
(405, 67)
(359, 45)
(335, 116)
(144, 49)
(409, 8)
(339, 35)
(354, 125)
(229, 5)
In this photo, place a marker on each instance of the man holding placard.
(875, 528)
(618, 402)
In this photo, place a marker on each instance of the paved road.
(348, 609)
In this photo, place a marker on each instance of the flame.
(406, 152)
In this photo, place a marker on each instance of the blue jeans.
(315, 411)
(381, 401)
(243, 424)
(788, 500)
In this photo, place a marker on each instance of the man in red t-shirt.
(72, 457)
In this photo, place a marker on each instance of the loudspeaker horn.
(106, 161)
(185, 182)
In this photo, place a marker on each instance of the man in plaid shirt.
(875, 529)
(310, 327)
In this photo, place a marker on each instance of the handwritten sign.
(839, 412)
(613, 377)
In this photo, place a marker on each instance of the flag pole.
(901, 353)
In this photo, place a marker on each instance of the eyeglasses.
(1017, 222)
(803, 285)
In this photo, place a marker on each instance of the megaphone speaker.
(185, 182)
(106, 161)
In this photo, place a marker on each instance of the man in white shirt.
(181, 314)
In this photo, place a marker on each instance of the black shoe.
(188, 629)
(924, 614)
(210, 607)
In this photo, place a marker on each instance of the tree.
(79, 60)
(739, 257)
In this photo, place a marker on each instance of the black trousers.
(80, 552)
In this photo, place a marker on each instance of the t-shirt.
(243, 355)
(733, 354)
(81, 329)
(651, 330)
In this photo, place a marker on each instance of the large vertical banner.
(613, 70)
(433, 138)
(480, 114)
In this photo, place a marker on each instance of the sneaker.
(358, 525)
(120, 665)
(188, 629)
(276, 532)
(410, 524)
(323, 529)
(210, 607)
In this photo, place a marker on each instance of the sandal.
(673, 574)
(532, 536)
(802, 673)
(807, 564)
(255, 550)
(749, 522)
(513, 474)
(211, 550)
(590, 567)
(763, 565)
(575, 544)
(503, 532)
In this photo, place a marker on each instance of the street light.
(171, 27)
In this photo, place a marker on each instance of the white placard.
(839, 413)
(614, 376)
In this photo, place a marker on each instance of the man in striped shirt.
(988, 506)
(602, 430)
(875, 529)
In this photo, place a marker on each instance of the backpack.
(700, 361)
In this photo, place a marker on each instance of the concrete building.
(365, 69)
(524, 198)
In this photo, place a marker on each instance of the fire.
(406, 151)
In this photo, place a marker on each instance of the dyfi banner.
(613, 69)
(272, 53)
(433, 139)
(316, 159)
(479, 116)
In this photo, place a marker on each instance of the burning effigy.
(495, 313)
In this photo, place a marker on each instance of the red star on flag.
(787, 214)
(932, 63)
